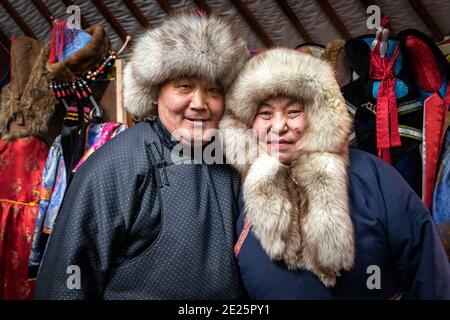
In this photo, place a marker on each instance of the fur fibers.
(34, 106)
(331, 52)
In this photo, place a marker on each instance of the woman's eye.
(294, 113)
(264, 114)
(185, 86)
(215, 90)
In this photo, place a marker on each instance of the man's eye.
(185, 86)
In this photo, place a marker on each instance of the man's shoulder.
(136, 135)
(126, 151)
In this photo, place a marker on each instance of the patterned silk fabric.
(21, 165)
(54, 185)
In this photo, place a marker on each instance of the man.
(135, 225)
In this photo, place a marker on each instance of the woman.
(320, 221)
(133, 225)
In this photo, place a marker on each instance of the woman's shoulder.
(375, 184)
(361, 161)
(369, 177)
(366, 166)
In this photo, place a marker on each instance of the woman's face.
(188, 103)
(280, 123)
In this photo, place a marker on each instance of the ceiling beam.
(5, 40)
(253, 23)
(201, 4)
(427, 19)
(43, 10)
(111, 19)
(84, 22)
(137, 13)
(294, 20)
(165, 5)
(334, 18)
(367, 3)
(17, 18)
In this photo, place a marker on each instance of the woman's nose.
(199, 98)
(279, 123)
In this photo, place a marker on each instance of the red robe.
(21, 165)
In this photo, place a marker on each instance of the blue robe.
(136, 225)
(396, 242)
(441, 197)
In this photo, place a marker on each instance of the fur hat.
(183, 46)
(332, 51)
(316, 234)
(84, 59)
(27, 105)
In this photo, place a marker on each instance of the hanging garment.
(441, 197)
(55, 182)
(27, 107)
(362, 93)
(21, 165)
(431, 73)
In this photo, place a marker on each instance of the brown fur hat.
(77, 64)
(27, 104)
(183, 46)
(317, 234)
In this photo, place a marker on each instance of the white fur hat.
(183, 46)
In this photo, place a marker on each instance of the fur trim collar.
(183, 46)
(315, 233)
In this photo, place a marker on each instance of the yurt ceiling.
(262, 23)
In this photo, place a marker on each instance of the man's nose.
(199, 99)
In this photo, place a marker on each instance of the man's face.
(186, 104)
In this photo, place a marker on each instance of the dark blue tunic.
(139, 226)
(395, 239)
